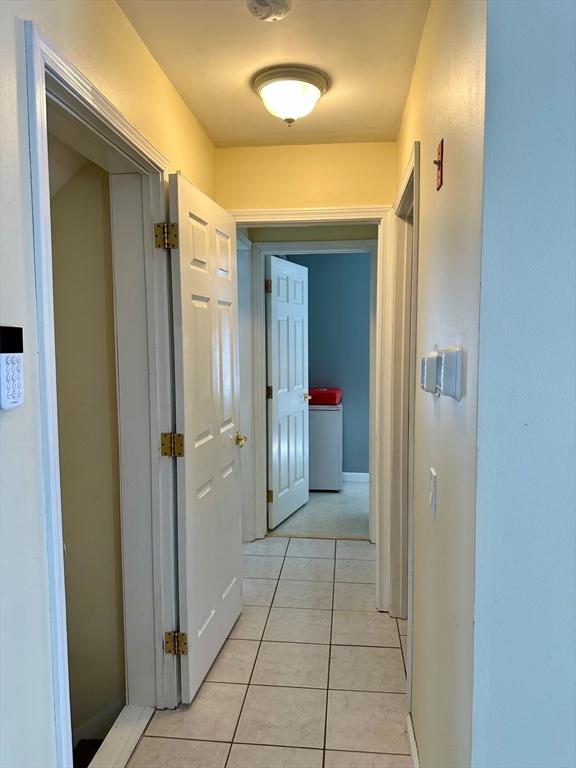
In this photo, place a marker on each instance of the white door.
(206, 386)
(287, 380)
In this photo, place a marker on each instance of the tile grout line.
(401, 647)
(256, 657)
(329, 659)
(280, 746)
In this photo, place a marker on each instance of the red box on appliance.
(325, 396)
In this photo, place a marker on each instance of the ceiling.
(211, 48)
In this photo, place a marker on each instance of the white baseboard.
(356, 477)
(413, 745)
(123, 737)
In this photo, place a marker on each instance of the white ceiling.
(211, 48)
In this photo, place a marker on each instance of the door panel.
(287, 372)
(206, 382)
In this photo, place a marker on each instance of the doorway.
(338, 387)
(88, 441)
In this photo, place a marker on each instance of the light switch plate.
(429, 373)
(450, 372)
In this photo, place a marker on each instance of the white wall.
(525, 641)
(446, 101)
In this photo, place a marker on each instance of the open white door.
(206, 384)
(287, 380)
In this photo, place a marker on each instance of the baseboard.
(122, 738)
(413, 745)
(98, 726)
(356, 477)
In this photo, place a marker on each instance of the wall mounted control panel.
(441, 372)
(11, 367)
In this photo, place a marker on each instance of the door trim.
(381, 356)
(49, 74)
(402, 552)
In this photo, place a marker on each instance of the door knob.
(307, 397)
(240, 440)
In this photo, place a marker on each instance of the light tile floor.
(312, 676)
(340, 515)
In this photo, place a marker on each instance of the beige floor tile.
(355, 550)
(234, 662)
(353, 668)
(354, 597)
(311, 548)
(284, 717)
(177, 753)
(368, 628)
(251, 623)
(292, 664)
(299, 625)
(250, 756)
(261, 566)
(272, 546)
(402, 627)
(370, 722)
(212, 715)
(304, 594)
(359, 571)
(258, 591)
(308, 569)
(332, 515)
(365, 760)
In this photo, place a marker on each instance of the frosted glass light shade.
(290, 92)
(290, 99)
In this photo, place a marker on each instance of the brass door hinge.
(268, 285)
(172, 444)
(270, 497)
(269, 393)
(176, 643)
(166, 235)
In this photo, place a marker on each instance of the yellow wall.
(314, 175)
(88, 435)
(99, 40)
(446, 100)
(313, 233)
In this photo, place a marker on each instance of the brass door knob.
(307, 397)
(240, 440)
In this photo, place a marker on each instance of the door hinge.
(268, 285)
(166, 235)
(172, 444)
(176, 643)
(269, 393)
(270, 497)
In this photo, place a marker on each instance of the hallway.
(312, 676)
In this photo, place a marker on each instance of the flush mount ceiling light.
(290, 92)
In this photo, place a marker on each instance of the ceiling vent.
(269, 10)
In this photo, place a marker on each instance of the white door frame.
(248, 457)
(381, 354)
(147, 533)
(402, 504)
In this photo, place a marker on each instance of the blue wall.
(339, 341)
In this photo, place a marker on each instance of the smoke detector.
(269, 10)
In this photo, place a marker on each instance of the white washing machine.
(326, 447)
